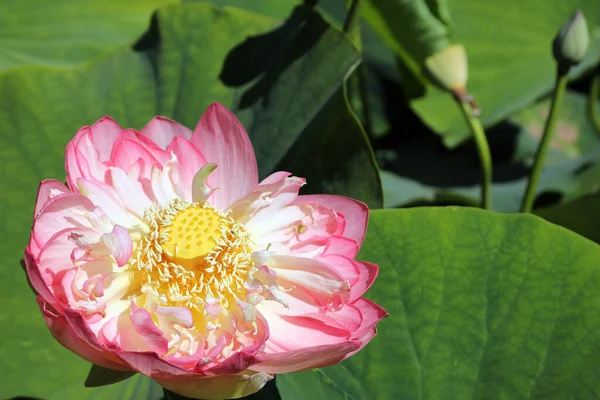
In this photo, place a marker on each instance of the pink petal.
(218, 387)
(346, 267)
(371, 313)
(81, 328)
(306, 358)
(163, 130)
(234, 364)
(104, 133)
(307, 333)
(366, 276)
(94, 285)
(131, 190)
(115, 330)
(55, 257)
(181, 316)
(106, 197)
(355, 213)
(342, 246)
(163, 187)
(62, 331)
(364, 341)
(119, 244)
(65, 289)
(61, 212)
(213, 310)
(348, 318)
(127, 152)
(48, 189)
(37, 282)
(153, 365)
(325, 245)
(319, 281)
(189, 161)
(222, 139)
(82, 159)
(248, 356)
(145, 141)
(149, 332)
(71, 166)
(266, 210)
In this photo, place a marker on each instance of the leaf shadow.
(413, 151)
(260, 60)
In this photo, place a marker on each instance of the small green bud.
(572, 41)
(448, 68)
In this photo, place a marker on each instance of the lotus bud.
(448, 68)
(572, 41)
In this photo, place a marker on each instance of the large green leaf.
(346, 165)
(275, 82)
(482, 306)
(581, 215)
(41, 109)
(43, 106)
(65, 32)
(509, 66)
(318, 384)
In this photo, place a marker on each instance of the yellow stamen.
(192, 253)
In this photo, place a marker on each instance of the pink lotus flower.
(152, 259)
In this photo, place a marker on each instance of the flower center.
(192, 234)
(193, 254)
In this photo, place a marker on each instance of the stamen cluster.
(192, 254)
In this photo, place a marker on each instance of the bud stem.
(593, 98)
(485, 158)
(540, 156)
(361, 82)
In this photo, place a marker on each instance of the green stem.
(352, 16)
(364, 98)
(540, 156)
(483, 149)
(593, 98)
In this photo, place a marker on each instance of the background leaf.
(346, 165)
(275, 82)
(482, 305)
(499, 51)
(66, 32)
(43, 106)
(570, 170)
